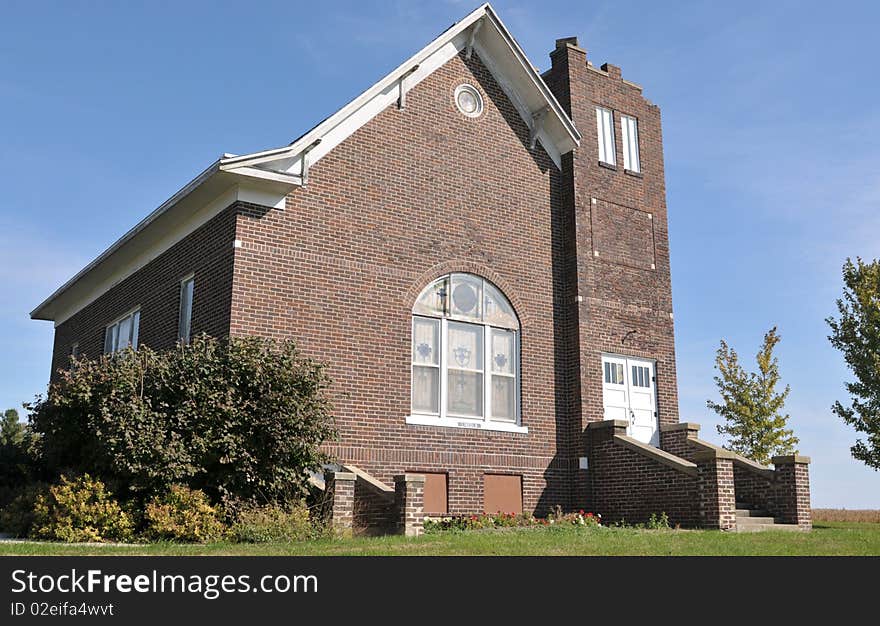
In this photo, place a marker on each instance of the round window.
(468, 100)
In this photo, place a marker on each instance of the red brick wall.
(410, 196)
(626, 303)
(629, 486)
(207, 253)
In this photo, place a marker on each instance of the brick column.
(409, 495)
(674, 439)
(792, 487)
(715, 482)
(339, 490)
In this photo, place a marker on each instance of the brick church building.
(479, 253)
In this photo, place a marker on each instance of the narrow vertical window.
(629, 127)
(605, 132)
(184, 325)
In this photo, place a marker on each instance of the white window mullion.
(487, 373)
(444, 339)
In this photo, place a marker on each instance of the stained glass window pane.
(464, 394)
(497, 310)
(465, 350)
(502, 351)
(426, 341)
(503, 394)
(467, 297)
(426, 390)
(432, 301)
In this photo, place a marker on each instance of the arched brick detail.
(468, 267)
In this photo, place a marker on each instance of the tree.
(857, 335)
(11, 430)
(243, 417)
(751, 405)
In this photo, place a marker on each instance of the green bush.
(80, 509)
(182, 514)
(242, 418)
(17, 517)
(273, 523)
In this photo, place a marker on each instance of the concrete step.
(754, 528)
(753, 520)
(751, 513)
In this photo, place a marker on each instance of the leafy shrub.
(182, 514)
(80, 509)
(273, 523)
(242, 417)
(17, 517)
(658, 522)
(510, 520)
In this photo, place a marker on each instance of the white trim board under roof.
(266, 177)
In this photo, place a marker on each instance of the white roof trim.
(279, 170)
(501, 54)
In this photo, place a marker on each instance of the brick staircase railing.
(630, 481)
(783, 491)
(355, 502)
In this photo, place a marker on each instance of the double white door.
(629, 393)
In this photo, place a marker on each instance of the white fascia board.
(494, 45)
(192, 207)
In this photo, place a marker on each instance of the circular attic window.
(468, 100)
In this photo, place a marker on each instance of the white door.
(629, 393)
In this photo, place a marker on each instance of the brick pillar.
(409, 495)
(339, 490)
(715, 482)
(792, 487)
(674, 439)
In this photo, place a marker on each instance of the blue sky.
(771, 130)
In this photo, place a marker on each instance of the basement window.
(123, 332)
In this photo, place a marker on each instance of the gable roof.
(482, 30)
(266, 177)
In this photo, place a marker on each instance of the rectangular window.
(184, 324)
(614, 373)
(426, 366)
(122, 333)
(464, 392)
(605, 131)
(629, 127)
(503, 364)
(641, 376)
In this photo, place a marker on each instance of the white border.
(467, 424)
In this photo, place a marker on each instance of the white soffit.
(498, 50)
(266, 177)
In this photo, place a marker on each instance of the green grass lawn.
(827, 538)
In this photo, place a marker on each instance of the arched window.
(465, 354)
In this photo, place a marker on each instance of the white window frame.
(184, 337)
(629, 133)
(606, 140)
(486, 422)
(135, 315)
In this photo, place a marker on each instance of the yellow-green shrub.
(80, 509)
(269, 523)
(183, 514)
